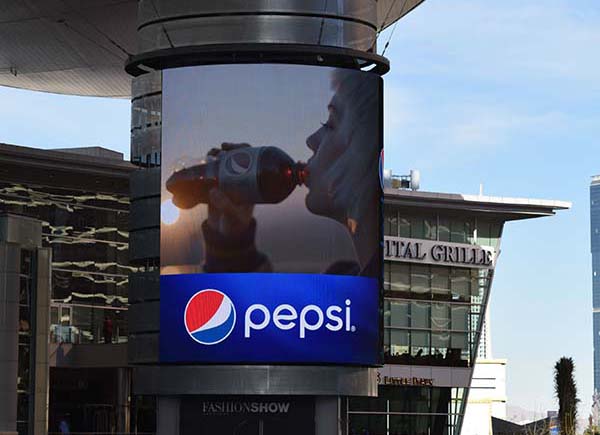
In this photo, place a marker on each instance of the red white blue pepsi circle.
(209, 317)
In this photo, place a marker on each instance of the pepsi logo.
(239, 162)
(209, 317)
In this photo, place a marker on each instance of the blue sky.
(507, 94)
(504, 93)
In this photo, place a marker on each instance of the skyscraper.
(595, 239)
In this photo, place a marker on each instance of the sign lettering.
(436, 252)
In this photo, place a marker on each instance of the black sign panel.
(247, 415)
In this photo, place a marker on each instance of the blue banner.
(269, 318)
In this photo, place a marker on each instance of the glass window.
(459, 340)
(24, 293)
(421, 424)
(495, 234)
(460, 280)
(458, 345)
(386, 275)
(430, 228)
(367, 404)
(460, 315)
(398, 313)
(419, 344)
(397, 341)
(404, 227)
(440, 343)
(399, 276)
(24, 321)
(417, 228)
(391, 223)
(484, 233)
(458, 233)
(470, 232)
(23, 368)
(440, 401)
(401, 424)
(419, 314)
(387, 313)
(420, 279)
(440, 282)
(475, 282)
(440, 317)
(444, 230)
(407, 399)
(53, 315)
(371, 424)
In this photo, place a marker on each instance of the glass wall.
(432, 314)
(432, 317)
(479, 231)
(88, 234)
(407, 411)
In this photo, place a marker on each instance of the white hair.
(355, 184)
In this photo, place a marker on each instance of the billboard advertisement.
(270, 215)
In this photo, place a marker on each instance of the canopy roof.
(80, 47)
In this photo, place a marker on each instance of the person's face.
(328, 143)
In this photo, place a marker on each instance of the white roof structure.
(80, 47)
(508, 208)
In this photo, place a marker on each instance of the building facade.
(440, 254)
(79, 198)
(595, 247)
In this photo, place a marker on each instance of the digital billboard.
(270, 215)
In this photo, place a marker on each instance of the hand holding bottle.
(225, 216)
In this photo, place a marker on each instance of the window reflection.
(432, 313)
(481, 231)
(88, 235)
(407, 410)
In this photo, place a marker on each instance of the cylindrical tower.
(171, 34)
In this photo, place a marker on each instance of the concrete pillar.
(327, 415)
(18, 233)
(9, 335)
(168, 415)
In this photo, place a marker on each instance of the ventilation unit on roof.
(411, 181)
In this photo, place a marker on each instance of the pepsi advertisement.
(271, 215)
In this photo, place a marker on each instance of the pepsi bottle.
(248, 175)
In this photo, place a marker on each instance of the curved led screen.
(271, 215)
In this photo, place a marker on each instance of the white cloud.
(551, 41)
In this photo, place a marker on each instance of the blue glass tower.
(595, 239)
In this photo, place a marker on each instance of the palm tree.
(566, 393)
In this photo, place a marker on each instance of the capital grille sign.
(440, 253)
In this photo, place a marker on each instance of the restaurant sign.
(440, 253)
